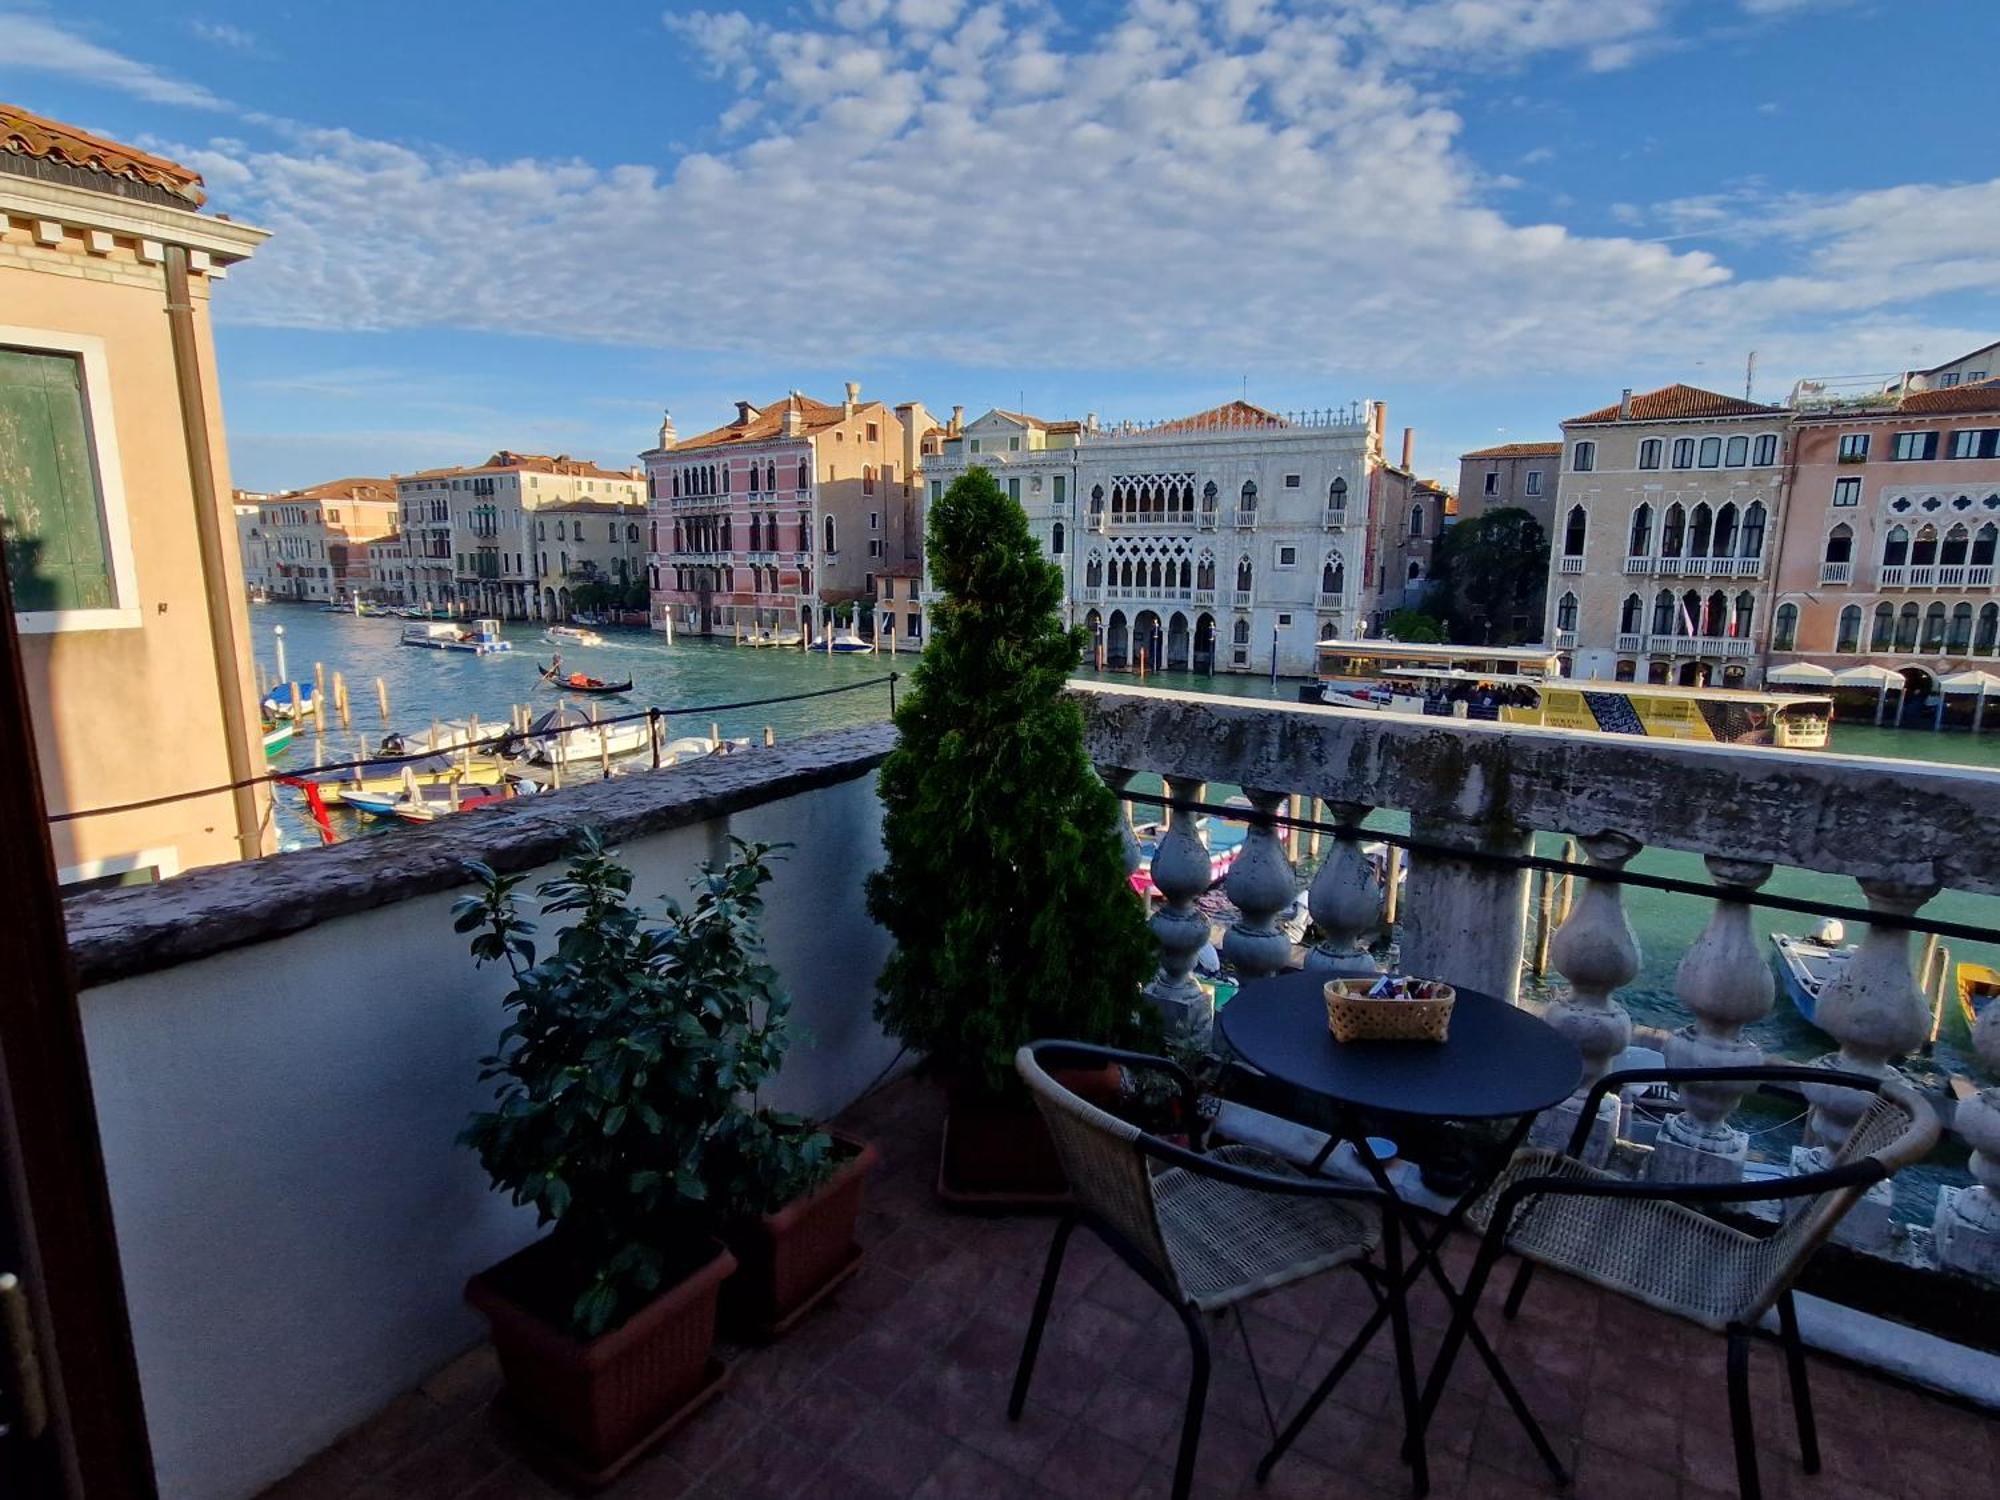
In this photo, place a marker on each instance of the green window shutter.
(51, 511)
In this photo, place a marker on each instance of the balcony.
(1836, 572)
(293, 1248)
(1629, 642)
(1565, 640)
(1206, 520)
(1336, 517)
(1892, 576)
(1243, 520)
(1131, 524)
(1639, 566)
(1242, 598)
(1328, 601)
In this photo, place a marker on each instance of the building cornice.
(225, 240)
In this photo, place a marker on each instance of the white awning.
(1971, 682)
(1800, 674)
(1868, 677)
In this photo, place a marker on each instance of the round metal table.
(1498, 1060)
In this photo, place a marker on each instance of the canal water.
(693, 675)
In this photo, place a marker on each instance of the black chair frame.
(1390, 1276)
(1516, 1196)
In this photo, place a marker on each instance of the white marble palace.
(1219, 542)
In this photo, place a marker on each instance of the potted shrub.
(1005, 883)
(625, 1051)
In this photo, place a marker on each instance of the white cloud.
(222, 34)
(33, 44)
(1189, 187)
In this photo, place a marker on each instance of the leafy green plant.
(626, 1055)
(759, 1162)
(1005, 885)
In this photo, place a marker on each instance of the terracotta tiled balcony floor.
(898, 1388)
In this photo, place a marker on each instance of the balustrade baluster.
(1967, 1222)
(1117, 779)
(1462, 920)
(1345, 899)
(1725, 980)
(1596, 950)
(1260, 885)
(1181, 873)
(1876, 1010)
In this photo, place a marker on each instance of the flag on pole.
(1687, 620)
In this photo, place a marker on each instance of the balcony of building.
(1243, 519)
(294, 1248)
(1836, 572)
(1569, 564)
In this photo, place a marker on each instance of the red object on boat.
(316, 805)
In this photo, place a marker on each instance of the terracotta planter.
(787, 1261)
(594, 1406)
(997, 1152)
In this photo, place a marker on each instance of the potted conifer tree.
(626, 1057)
(1005, 884)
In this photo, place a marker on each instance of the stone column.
(1725, 979)
(1181, 873)
(1117, 779)
(1261, 885)
(1462, 921)
(1346, 901)
(1967, 1223)
(1876, 1010)
(1596, 951)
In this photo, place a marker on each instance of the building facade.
(252, 545)
(585, 549)
(1668, 510)
(120, 535)
(316, 538)
(471, 535)
(1511, 476)
(1889, 550)
(781, 517)
(1233, 540)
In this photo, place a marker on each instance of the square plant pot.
(787, 1261)
(998, 1154)
(593, 1406)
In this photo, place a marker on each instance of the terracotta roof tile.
(342, 489)
(1229, 414)
(1518, 450)
(1983, 395)
(768, 423)
(1678, 403)
(40, 139)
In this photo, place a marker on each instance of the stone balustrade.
(1901, 831)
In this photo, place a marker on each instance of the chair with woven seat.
(1207, 1231)
(1644, 1240)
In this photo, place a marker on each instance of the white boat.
(696, 746)
(847, 640)
(447, 734)
(481, 639)
(773, 638)
(566, 734)
(571, 635)
(1807, 964)
(277, 704)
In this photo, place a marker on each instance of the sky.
(513, 224)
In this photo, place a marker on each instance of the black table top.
(1498, 1061)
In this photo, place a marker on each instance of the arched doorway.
(1915, 699)
(1149, 638)
(1177, 642)
(1117, 641)
(1693, 674)
(1204, 643)
(549, 605)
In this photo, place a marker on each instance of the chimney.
(957, 421)
(853, 398)
(793, 421)
(745, 413)
(1409, 448)
(1625, 404)
(1090, 421)
(668, 437)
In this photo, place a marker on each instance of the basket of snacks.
(1389, 1009)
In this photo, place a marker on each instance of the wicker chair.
(1642, 1240)
(1208, 1232)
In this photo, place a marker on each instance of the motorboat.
(790, 638)
(413, 803)
(569, 736)
(481, 638)
(277, 704)
(390, 774)
(1808, 964)
(571, 635)
(1978, 986)
(689, 747)
(277, 737)
(847, 640)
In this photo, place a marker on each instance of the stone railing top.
(120, 933)
(1905, 821)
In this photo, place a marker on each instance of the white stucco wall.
(295, 1218)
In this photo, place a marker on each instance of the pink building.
(773, 520)
(1889, 547)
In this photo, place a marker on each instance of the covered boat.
(277, 704)
(570, 735)
(1807, 965)
(571, 635)
(481, 638)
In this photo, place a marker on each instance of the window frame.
(1850, 487)
(1655, 449)
(101, 431)
(1583, 456)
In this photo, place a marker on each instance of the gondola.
(577, 682)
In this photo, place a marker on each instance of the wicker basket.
(1353, 1017)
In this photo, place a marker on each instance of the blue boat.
(482, 639)
(1807, 964)
(277, 704)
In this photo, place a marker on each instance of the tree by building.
(1489, 576)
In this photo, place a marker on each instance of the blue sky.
(534, 226)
